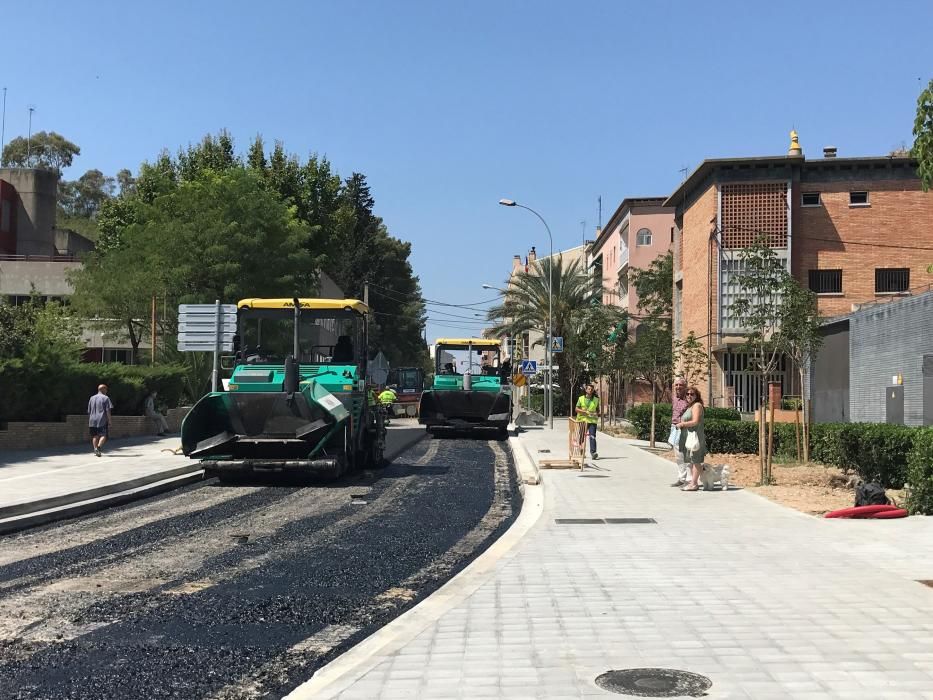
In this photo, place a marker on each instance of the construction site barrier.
(576, 448)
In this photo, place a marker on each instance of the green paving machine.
(468, 393)
(297, 399)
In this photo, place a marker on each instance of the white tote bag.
(692, 444)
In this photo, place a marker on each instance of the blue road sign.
(557, 343)
(529, 367)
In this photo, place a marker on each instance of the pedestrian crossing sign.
(529, 367)
(557, 343)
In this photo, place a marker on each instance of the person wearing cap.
(99, 409)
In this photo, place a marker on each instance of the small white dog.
(712, 473)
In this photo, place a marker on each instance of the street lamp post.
(549, 355)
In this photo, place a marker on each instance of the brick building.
(851, 229)
(638, 232)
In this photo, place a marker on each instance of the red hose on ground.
(864, 512)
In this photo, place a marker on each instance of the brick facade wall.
(698, 221)
(73, 430)
(827, 236)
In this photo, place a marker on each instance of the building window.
(892, 280)
(858, 199)
(643, 237)
(810, 199)
(826, 281)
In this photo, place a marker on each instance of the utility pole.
(29, 137)
(366, 293)
(3, 126)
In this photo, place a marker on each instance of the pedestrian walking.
(588, 412)
(693, 437)
(678, 406)
(99, 411)
(152, 413)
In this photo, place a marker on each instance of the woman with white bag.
(692, 437)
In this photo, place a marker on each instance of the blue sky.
(447, 107)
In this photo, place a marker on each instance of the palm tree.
(524, 305)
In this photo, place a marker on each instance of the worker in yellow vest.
(588, 412)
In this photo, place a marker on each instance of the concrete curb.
(417, 434)
(158, 483)
(528, 472)
(25, 515)
(332, 679)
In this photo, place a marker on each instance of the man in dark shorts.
(98, 410)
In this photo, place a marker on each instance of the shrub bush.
(51, 393)
(640, 416)
(736, 437)
(920, 473)
(879, 452)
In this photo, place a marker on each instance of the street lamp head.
(507, 202)
(488, 286)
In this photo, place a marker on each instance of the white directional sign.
(198, 327)
(530, 367)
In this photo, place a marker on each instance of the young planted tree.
(691, 359)
(594, 341)
(758, 309)
(800, 339)
(651, 357)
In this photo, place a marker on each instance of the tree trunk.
(806, 418)
(654, 405)
(797, 430)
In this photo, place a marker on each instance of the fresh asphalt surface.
(243, 591)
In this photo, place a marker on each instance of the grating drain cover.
(594, 476)
(654, 683)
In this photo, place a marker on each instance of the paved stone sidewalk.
(33, 475)
(765, 601)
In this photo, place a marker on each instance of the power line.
(400, 296)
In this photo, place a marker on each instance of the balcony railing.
(63, 257)
(623, 256)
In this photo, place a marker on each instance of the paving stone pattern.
(765, 601)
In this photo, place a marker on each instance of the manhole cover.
(654, 682)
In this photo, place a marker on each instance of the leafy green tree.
(125, 182)
(691, 359)
(923, 137)
(524, 306)
(595, 343)
(42, 335)
(758, 310)
(651, 357)
(41, 150)
(221, 236)
(800, 339)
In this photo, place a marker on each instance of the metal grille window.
(892, 280)
(826, 281)
(753, 211)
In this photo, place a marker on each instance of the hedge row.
(892, 455)
(30, 393)
(920, 473)
(640, 416)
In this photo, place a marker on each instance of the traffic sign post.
(529, 367)
(207, 328)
